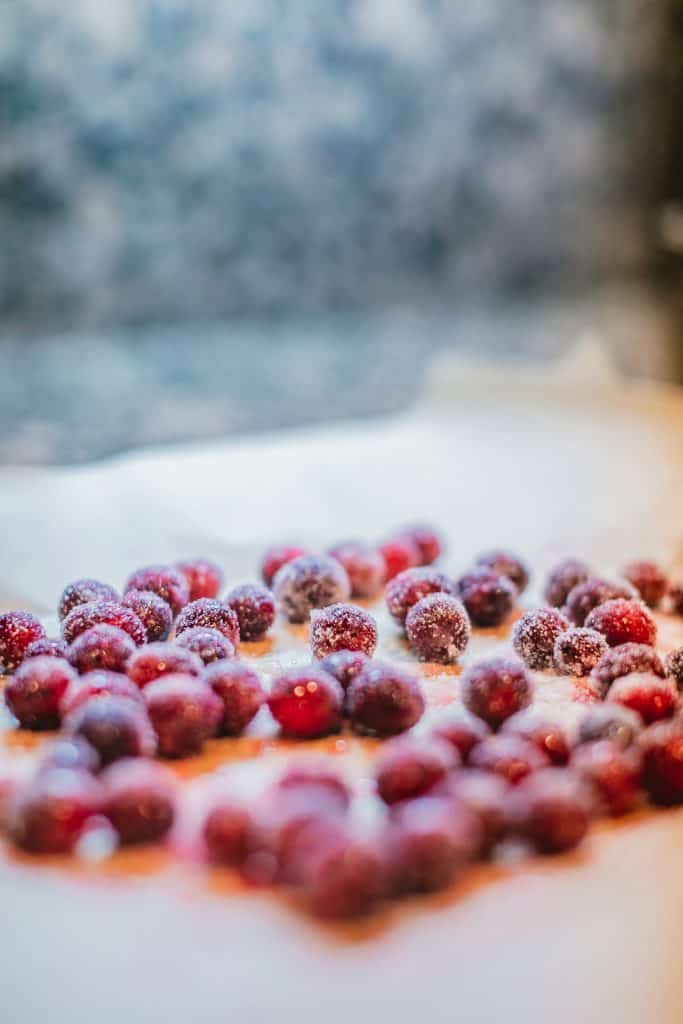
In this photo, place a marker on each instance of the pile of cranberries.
(154, 672)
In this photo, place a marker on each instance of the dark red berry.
(384, 700)
(211, 614)
(562, 580)
(312, 779)
(495, 689)
(674, 666)
(110, 613)
(622, 621)
(438, 629)
(51, 812)
(488, 597)
(102, 646)
(344, 665)
(408, 767)
(410, 586)
(153, 612)
(622, 661)
(162, 659)
(429, 841)
(254, 607)
(47, 645)
(594, 591)
(139, 800)
(511, 757)
(428, 540)
(505, 563)
(306, 702)
(204, 578)
(85, 591)
(226, 832)
(342, 627)
(184, 711)
(277, 556)
(486, 795)
(653, 698)
(240, 692)
(549, 736)
(364, 566)
(343, 877)
(676, 596)
(308, 582)
(649, 581)
(17, 631)
(535, 634)
(72, 752)
(33, 694)
(208, 644)
(578, 650)
(100, 683)
(166, 581)
(662, 750)
(399, 554)
(553, 810)
(610, 722)
(462, 730)
(612, 773)
(115, 726)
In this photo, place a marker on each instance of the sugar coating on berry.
(154, 613)
(384, 700)
(84, 591)
(535, 634)
(610, 722)
(653, 698)
(510, 756)
(100, 683)
(51, 812)
(111, 613)
(553, 810)
(495, 689)
(226, 832)
(34, 693)
(17, 631)
(344, 665)
(309, 582)
(47, 645)
(649, 580)
(622, 661)
(204, 578)
(165, 580)
(306, 702)
(399, 554)
(542, 730)
(277, 556)
(211, 614)
(101, 646)
(505, 563)
(429, 841)
(115, 726)
(438, 629)
(410, 767)
(240, 692)
(662, 750)
(562, 580)
(72, 752)
(364, 566)
(410, 586)
(427, 539)
(461, 729)
(184, 711)
(162, 659)
(612, 773)
(487, 796)
(209, 644)
(342, 627)
(578, 651)
(489, 597)
(674, 666)
(254, 607)
(622, 621)
(139, 799)
(594, 591)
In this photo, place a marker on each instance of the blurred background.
(227, 217)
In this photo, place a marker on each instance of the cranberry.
(47, 645)
(495, 689)
(578, 651)
(552, 810)
(486, 796)
(343, 877)
(153, 612)
(166, 581)
(364, 566)
(676, 595)
(622, 661)
(226, 832)
(662, 749)
(535, 634)
(84, 591)
(585, 596)
(562, 580)
(184, 711)
(428, 540)
(71, 752)
(505, 563)
(399, 554)
(51, 813)
(277, 556)
(306, 702)
(384, 700)
(488, 597)
(254, 607)
(308, 582)
(115, 726)
(102, 646)
(312, 779)
(462, 730)
(547, 735)
(344, 665)
(649, 581)
(162, 659)
(653, 698)
(612, 773)
(17, 631)
(511, 757)
(240, 692)
(342, 627)
(211, 614)
(204, 578)
(408, 767)
(110, 613)
(610, 722)
(208, 644)
(34, 692)
(674, 666)
(438, 628)
(429, 841)
(622, 622)
(139, 800)
(410, 586)
(100, 683)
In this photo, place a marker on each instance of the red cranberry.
(17, 631)
(438, 628)
(102, 646)
(649, 580)
(276, 557)
(204, 578)
(622, 661)
(410, 586)
(166, 581)
(399, 554)
(226, 832)
(240, 692)
(162, 659)
(308, 582)
(578, 651)
(662, 749)
(343, 877)
(610, 722)
(495, 689)
(208, 644)
(548, 736)
(622, 622)
(109, 613)
(254, 607)
(51, 813)
(505, 563)
(674, 666)
(153, 612)
(552, 810)
(676, 595)
(364, 566)
(210, 614)
(34, 692)
(342, 627)
(100, 683)
(488, 597)
(46, 645)
(383, 700)
(312, 779)
(72, 752)
(511, 757)
(344, 666)
(486, 796)
(462, 730)
(428, 540)
(408, 767)
(535, 634)
(184, 711)
(612, 773)
(115, 726)
(594, 591)
(653, 698)
(85, 591)
(306, 702)
(139, 800)
(562, 580)
(429, 841)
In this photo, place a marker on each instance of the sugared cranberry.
(399, 554)
(662, 750)
(429, 841)
(428, 540)
(84, 591)
(166, 581)
(364, 566)
(511, 757)
(17, 631)
(384, 700)
(585, 596)
(653, 698)
(547, 735)
(344, 665)
(306, 702)
(50, 814)
(343, 877)
(162, 659)
(226, 832)
(621, 622)
(610, 722)
(184, 711)
(204, 578)
(553, 810)
(254, 607)
(408, 767)
(33, 694)
(622, 661)
(240, 692)
(153, 612)
(676, 595)
(102, 646)
(208, 644)
(535, 634)
(109, 613)
(505, 563)
(139, 800)
(488, 597)
(115, 726)
(649, 580)
(277, 556)
(100, 683)
(495, 689)
(462, 730)
(486, 795)
(308, 582)
(674, 666)
(562, 580)
(578, 651)
(409, 587)
(612, 773)
(313, 779)
(72, 752)
(438, 629)
(211, 614)
(47, 645)
(342, 627)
